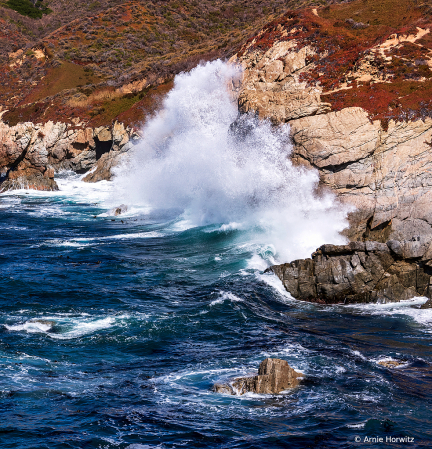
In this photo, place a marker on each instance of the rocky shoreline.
(360, 272)
(30, 154)
(375, 156)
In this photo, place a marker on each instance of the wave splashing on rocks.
(200, 158)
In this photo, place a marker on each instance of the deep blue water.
(113, 330)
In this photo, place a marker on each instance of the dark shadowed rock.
(274, 376)
(360, 272)
(427, 304)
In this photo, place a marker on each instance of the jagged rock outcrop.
(30, 154)
(378, 158)
(121, 142)
(361, 272)
(274, 376)
(271, 86)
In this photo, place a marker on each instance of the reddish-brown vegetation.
(345, 36)
(118, 42)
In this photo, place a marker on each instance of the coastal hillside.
(112, 59)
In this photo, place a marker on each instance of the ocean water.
(114, 329)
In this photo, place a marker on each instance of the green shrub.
(26, 8)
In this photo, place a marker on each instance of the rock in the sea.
(360, 272)
(274, 376)
(116, 211)
(390, 363)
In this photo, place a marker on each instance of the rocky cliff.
(354, 83)
(30, 153)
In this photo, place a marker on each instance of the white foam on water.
(70, 185)
(63, 327)
(229, 227)
(191, 160)
(358, 354)
(83, 241)
(83, 328)
(226, 296)
(405, 309)
(65, 243)
(32, 326)
(276, 284)
(357, 426)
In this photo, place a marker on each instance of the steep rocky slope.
(354, 83)
(98, 60)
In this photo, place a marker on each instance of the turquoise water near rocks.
(113, 330)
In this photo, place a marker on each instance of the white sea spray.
(193, 161)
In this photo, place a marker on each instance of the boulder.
(359, 272)
(274, 376)
(116, 211)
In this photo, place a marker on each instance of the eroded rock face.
(274, 376)
(31, 154)
(383, 170)
(271, 86)
(361, 272)
(384, 174)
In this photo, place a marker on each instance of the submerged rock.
(360, 272)
(274, 376)
(48, 323)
